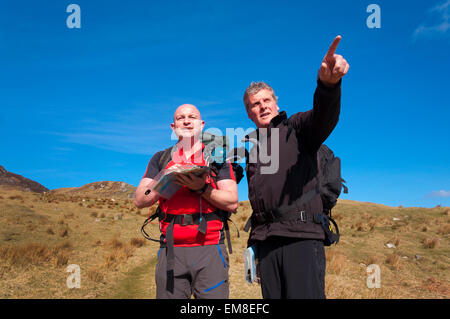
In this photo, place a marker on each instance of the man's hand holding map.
(165, 183)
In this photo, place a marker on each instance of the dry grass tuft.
(431, 242)
(359, 226)
(115, 243)
(393, 260)
(444, 230)
(117, 255)
(137, 242)
(36, 254)
(61, 258)
(18, 197)
(110, 261)
(33, 253)
(95, 275)
(372, 224)
(396, 241)
(335, 262)
(69, 215)
(373, 259)
(338, 217)
(434, 285)
(64, 232)
(64, 246)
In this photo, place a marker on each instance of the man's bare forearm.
(222, 199)
(141, 200)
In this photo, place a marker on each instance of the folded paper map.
(165, 182)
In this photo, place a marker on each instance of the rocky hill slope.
(15, 181)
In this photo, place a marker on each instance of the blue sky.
(95, 103)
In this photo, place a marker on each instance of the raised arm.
(333, 66)
(314, 126)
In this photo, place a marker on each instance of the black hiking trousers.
(292, 268)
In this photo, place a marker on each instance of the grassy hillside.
(104, 189)
(41, 234)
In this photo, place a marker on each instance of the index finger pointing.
(334, 45)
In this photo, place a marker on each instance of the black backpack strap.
(157, 213)
(288, 212)
(228, 237)
(285, 212)
(330, 236)
(248, 224)
(344, 187)
(203, 226)
(170, 281)
(165, 158)
(227, 231)
(337, 235)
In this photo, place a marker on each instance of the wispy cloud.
(140, 130)
(143, 129)
(441, 193)
(437, 22)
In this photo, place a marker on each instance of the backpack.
(329, 178)
(329, 185)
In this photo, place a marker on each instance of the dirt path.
(139, 283)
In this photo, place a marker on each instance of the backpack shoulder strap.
(165, 158)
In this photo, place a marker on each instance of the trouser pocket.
(211, 273)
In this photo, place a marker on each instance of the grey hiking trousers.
(201, 271)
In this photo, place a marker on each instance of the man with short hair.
(290, 247)
(192, 258)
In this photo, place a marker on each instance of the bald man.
(192, 259)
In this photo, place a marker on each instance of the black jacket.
(300, 136)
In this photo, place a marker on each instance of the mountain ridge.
(16, 181)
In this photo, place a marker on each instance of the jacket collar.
(254, 135)
(278, 119)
